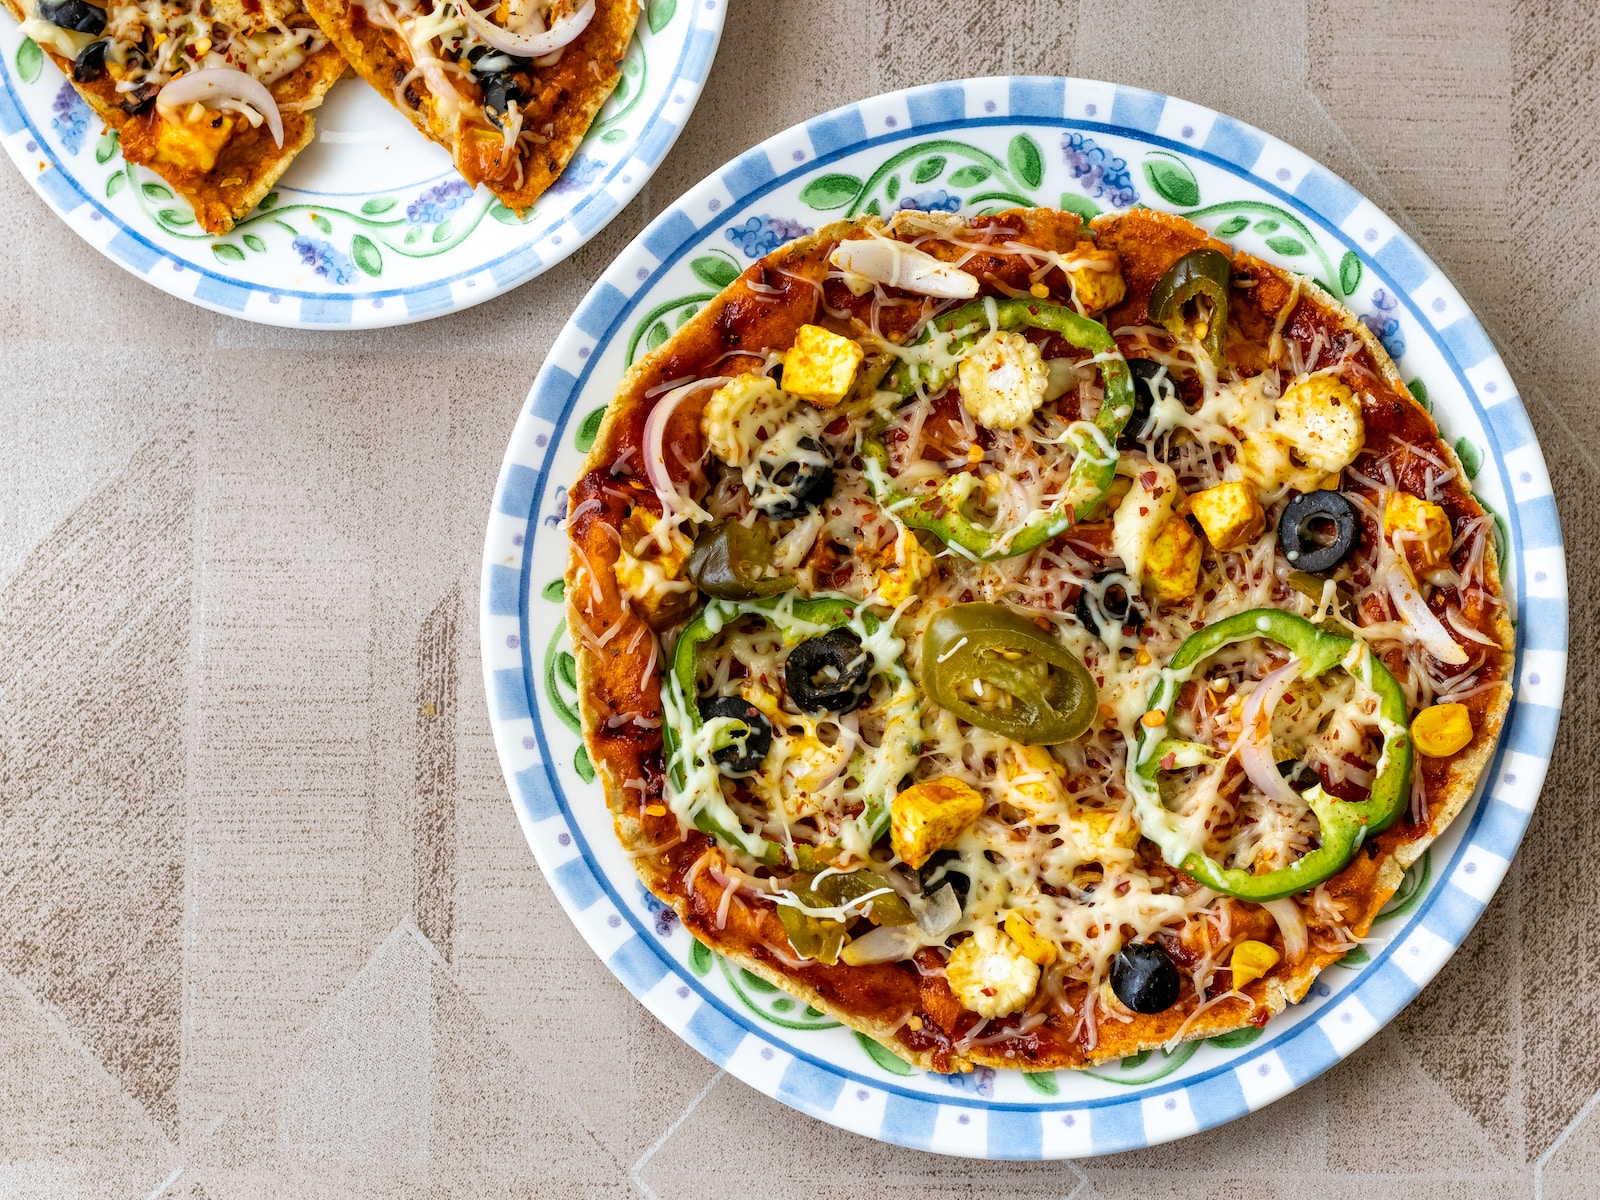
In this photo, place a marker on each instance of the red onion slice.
(655, 462)
(527, 45)
(1255, 739)
(223, 83)
(1292, 925)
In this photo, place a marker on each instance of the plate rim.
(748, 177)
(132, 250)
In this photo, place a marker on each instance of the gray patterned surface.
(267, 925)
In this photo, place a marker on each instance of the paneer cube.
(741, 414)
(1172, 564)
(1419, 529)
(821, 366)
(1230, 514)
(1250, 961)
(1034, 778)
(1096, 277)
(191, 141)
(1321, 418)
(907, 565)
(649, 569)
(990, 974)
(1035, 948)
(929, 815)
(1003, 380)
(1097, 832)
(1141, 514)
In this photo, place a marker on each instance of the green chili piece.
(996, 669)
(733, 562)
(1342, 824)
(1203, 273)
(940, 512)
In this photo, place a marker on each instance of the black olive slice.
(90, 63)
(937, 871)
(1121, 602)
(829, 673)
(72, 14)
(140, 99)
(748, 752)
(499, 90)
(790, 488)
(1145, 978)
(1144, 372)
(1307, 547)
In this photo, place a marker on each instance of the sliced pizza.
(214, 96)
(508, 91)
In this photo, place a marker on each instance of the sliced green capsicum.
(1200, 274)
(996, 669)
(694, 790)
(1343, 825)
(941, 512)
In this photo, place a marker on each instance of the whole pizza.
(1030, 643)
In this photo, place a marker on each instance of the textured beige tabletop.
(267, 924)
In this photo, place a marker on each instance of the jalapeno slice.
(731, 561)
(996, 669)
(1203, 274)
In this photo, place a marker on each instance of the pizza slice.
(214, 96)
(509, 91)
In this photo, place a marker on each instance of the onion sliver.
(223, 83)
(1292, 925)
(1425, 627)
(939, 913)
(887, 943)
(1255, 745)
(527, 45)
(883, 260)
(655, 461)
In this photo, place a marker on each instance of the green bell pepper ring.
(996, 669)
(1200, 273)
(1343, 825)
(693, 776)
(940, 512)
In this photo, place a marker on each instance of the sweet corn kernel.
(1441, 730)
(820, 366)
(928, 815)
(1230, 514)
(1250, 961)
(1035, 948)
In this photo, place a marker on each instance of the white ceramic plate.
(979, 144)
(370, 225)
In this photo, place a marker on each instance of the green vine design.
(958, 164)
(1413, 887)
(772, 1004)
(561, 677)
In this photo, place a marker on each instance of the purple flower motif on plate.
(71, 118)
(1101, 175)
(980, 1080)
(932, 200)
(580, 173)
(322, 258)
(764, 234)
(665, 918)
(438, 202)
(1384, 324)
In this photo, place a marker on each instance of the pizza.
(1030, 643)
(214, 96)
(509, 91)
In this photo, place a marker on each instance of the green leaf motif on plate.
(968, 176)
(156, 191)
(227, 252)
(872, 210)
(682, 318)
(415, 235)
(1232, 226)
(1349, 272)
(611, 136)
(582, 765)
(175, 217)
(322, 223)
(891, 188)
(106, 146)
(1171, 179)
(30, 59)
(661, 14)
(1145, 1067)
(1285, 245)
(1355, 958)
(828, 192)
(1413, 886)
(557, 673)
(567, 668)
(1027, 163)
(755, 983)
(770, 1004)
(1471, 457)
(1419, 393)
(1268, 226)
(496, 210)
(1235, 1038)
(442, 233)
(255, 243)
(379, 204)
(364, 253)
(715, 270)
(267, 201)
(1074, 203)
(588, 429)
(699, 958)
(657, 335)
(116, 183)
(556, 590)
(928, 168)
(880, 1054)
(1043, 1082)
